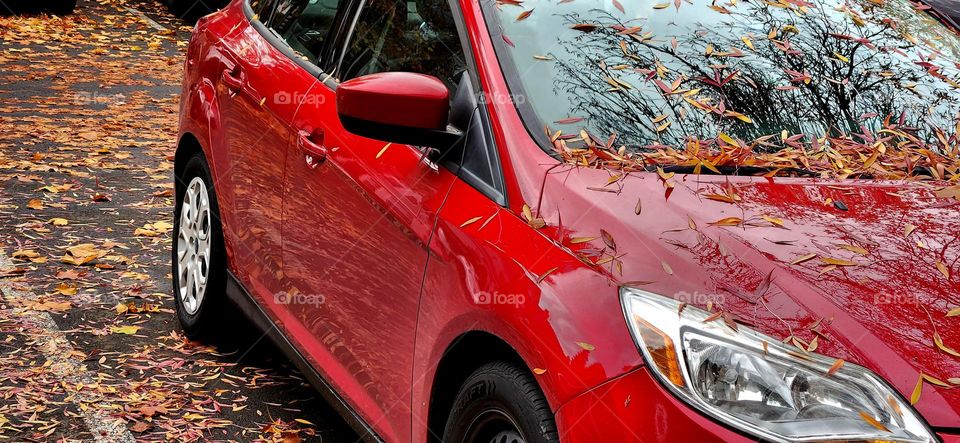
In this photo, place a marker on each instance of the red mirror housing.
(399, 107)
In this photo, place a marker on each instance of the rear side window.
(305, 24)
(412, 36)
(262, 9)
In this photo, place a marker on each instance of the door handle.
(231, 78)
(311, 144)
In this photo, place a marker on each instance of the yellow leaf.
(908, 229)
(728, 140)
(855, 249)
(539, 371)
(383, 150)
(65, 288)
(774, 220)
(803, 259)
(302, 421)
(471, 221)
(578, 240)
(954, 312)
(129, 330)
(837, 261)
(58, 221)
(586, 346)
(35, 204)
(943, 269)
(939, 342)
(728, 221)
(917, 390)
(873, 421)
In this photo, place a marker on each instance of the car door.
(256, 103)
(358, 219)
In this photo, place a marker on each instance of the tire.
(201, 304)
(500, 403)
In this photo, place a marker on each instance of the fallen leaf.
(128, 330)
(873, 421)
(835, 367)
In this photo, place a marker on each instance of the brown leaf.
(608, 239)
(835, 367)
(523, 15)
(585, 27)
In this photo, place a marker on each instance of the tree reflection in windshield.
(767, 76)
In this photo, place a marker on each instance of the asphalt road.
(90, 348)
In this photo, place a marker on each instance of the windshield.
(865, 88)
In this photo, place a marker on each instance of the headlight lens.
(759, 385)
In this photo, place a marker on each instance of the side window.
(305, 24)
(262, 9)
(405, 35)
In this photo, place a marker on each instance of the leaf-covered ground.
(88, 115)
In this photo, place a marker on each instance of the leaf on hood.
(666, 267)
(803, 259)
(939, 342)
(764, 285)
(908, 229)
(586, 346)
(639, 207)
(523, 15)
(838, 261)
(934, 381)
(579, 240)
(917, 390)
(954, 312)
(728, 221)
(855, 249)
(943, 269)
(949, 192)
(471, 221)
(608, 240)
(539, 371)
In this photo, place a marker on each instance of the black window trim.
(335, 48)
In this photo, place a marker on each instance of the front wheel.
(199, 261)
(500, 403)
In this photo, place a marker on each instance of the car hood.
(860, 270)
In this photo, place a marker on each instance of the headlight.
(761, 386)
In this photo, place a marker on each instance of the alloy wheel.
(193, 245)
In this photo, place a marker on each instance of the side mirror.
(397, 107)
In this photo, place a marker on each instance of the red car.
(590, 220)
